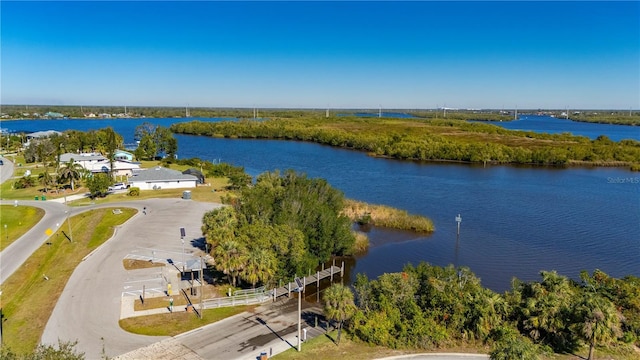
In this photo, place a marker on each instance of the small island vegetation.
(431, 140)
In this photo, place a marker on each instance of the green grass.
(18, 220)
(172, 324)
(28, 299)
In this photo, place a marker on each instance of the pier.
(313, 279)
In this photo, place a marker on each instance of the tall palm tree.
(599, 321)
(71, 172)
(230, 258)
(339, 305)
(260, 266)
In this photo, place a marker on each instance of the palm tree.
(45, 179)
(71, 172)
(230, 258)
(599, 322)
(260, 266)
(338, 305)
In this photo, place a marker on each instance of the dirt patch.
(133, 264)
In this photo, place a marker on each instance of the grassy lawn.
(210, 291)
(29, 298)
(16, 221)
(179, 322)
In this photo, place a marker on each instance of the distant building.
(53, 115)
(161, 178)
(41, 135)
(123, 155)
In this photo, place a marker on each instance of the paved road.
(20, 250)
(89, 307)
(6, 170)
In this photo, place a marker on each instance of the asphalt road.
(12, 257)
(271, 328)
(89, 307)
(6, 170)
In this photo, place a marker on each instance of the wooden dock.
(313, 279)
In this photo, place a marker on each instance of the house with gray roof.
(86, 160)
(161, 178)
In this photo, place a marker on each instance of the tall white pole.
(299, 319)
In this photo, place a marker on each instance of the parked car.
(118, 186)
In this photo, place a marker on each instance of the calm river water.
(516, 221)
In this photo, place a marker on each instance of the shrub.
(24, 182)
(134, 191)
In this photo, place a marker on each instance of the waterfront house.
(84, 159)
(120, 168)
(123, 155)
(161, 178)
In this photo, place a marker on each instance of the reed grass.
(386, 216)
(362, 242)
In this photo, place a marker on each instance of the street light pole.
(183, 233)
(299, 291)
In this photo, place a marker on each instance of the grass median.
(31, 293)
(16, 221)
(171, 324)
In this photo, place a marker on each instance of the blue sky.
(406, 55)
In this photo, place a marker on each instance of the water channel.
(516, 220)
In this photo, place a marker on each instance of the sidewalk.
(69, 198)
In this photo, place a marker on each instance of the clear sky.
(542, 54)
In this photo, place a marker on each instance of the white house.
(120, 168)
(161, 178)
(84, 159)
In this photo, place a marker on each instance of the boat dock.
(313, 279)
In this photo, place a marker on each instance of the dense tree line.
(154, 142)
(431, 140)
(608, 117)
(427, 307)
(285, 224)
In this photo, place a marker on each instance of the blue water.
(547, 124)
(516, 221)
